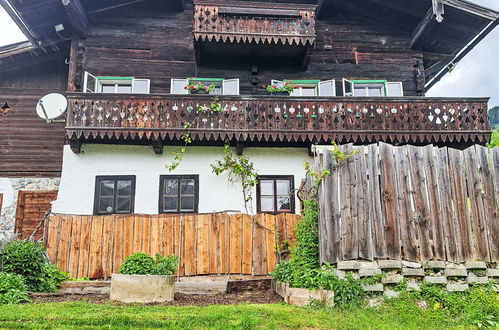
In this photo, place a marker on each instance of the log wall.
(411, 203)
(96, 246)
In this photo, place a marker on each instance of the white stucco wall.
(76, 192)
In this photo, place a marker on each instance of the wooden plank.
(128, 230)
(270, 229)
(202, 244)
(95, 265)
(138, 232)
(247, 237)
(391, 231)
(224, 242)
(64, 244)
(74, 257)
(146, 234)
(156, 236)
(235, 248)
(84, 259)
(169, 238)
(190, 238)
(378, 206)
(178, 223)
(52, 243)
(349, 231)
(107, 246)
(494, 189)
(118, 243)
(213, 230)
(259, 247)
(364, 211)
(1, 203)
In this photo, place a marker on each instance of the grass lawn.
(399, 314)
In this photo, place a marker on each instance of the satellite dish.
(51, 106)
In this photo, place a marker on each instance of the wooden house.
(130, 71)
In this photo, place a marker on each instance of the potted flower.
(144, 279)
(281, 89)
(200, 88)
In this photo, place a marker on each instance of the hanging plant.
(286, 88)
(197, 87)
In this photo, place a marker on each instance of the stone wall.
(10, 187)
(391, 276)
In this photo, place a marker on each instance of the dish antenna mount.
(52, 106)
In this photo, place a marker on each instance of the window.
(309, 87)
(222, 86)
(372, 88)
(275, 194)
(114, 194)
(116, 85)
(178, 194)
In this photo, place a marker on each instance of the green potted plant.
(145, 279)
(281, 89)
(200, 88)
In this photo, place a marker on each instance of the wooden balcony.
(276, 120)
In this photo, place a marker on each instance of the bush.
(26, 258)
(143, 264)
(13, 290)
(283, 272)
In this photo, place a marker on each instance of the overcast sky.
(476, 75)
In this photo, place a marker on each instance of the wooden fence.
(407, 202)
(95, 246)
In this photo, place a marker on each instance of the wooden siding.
(412, 203)
(96, 246)
(270, 119)
(32, 207)
(28, 145)
(144, 42)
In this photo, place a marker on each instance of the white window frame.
(130, 81)
(177, 86)
(332, 82)
(349, 85)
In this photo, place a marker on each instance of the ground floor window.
(114, 194)
(275, 194)
(178, 194)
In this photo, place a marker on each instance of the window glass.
(124, 89)
(360, 91)
(170, 204)
(171, 187)
(123, 205)
(374, 91)
(108, 89)
(283, 204)
(186, 204)
(187, 187)
(308, 91)
(178, 193)
(106, 205)
(267, 203)
(282, 187)
(267, 187)
(275, 194)
(107, 188)
(114, 194)
(141, 86)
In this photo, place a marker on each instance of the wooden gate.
(219, 243)
(31, 209)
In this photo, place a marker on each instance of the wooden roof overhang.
(295, 121)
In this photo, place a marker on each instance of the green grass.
(398, 314)
(494, 142)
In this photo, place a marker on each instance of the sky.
(477, 75)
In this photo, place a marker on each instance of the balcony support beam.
(157, 146)
(75, 146)
(239, 148)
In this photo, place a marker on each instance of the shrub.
(12, 289)
(26, 258)
(143, 264)
(283, 272)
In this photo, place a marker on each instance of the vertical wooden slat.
(168, 224)
(213, 245)
(378, 205)
(85, 238)
(74, 257)
(247, 235)
(224, 242)
(259, 247)
(52, 243)
(155, 236)
(190, 244)
(64, 244)
(138, 232)
(202, 244)
(270, 228)
(107, 245)
(235, 243)
(118, 256)
(95, 253)
(146, 234)
(128, 230)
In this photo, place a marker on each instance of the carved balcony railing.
(244, 21)
(277, 119)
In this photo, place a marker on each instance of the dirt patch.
(268, 297)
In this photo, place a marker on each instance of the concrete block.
(451, 265)
(392, 279)
(473, 279)
(368, 265)
(374, 302)
(409, 264)
(413, 286)
(434, 264)
(389, 264)
(492, 272)
(457, 287)
(391, 294)
(475, 265)
(373, 287)
(303, 297)
(369, 272)
(201, 287)
(348, 265)
(414, 272)
(142, 288)
(435, 279)
(456, 272)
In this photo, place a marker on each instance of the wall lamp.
(5, 108)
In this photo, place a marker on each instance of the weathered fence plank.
(423, 203)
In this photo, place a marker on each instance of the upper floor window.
(116, 85)
(372, 88)
(178, 193)
(275, 194)
(309, 87)
(114, 194)
(212, 86)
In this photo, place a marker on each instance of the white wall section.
(216, 193)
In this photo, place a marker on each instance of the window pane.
(170, 204)
(267, 203)
(107, 188)
(308, 91)
(266, 187)
(375, 91)
(107, 88)
(187, 187)
(123, 205)
(187, 204)
(171, 187)
(360, 91)
(295, 92)
(283, 203)
(283, 187)
(140, 86)
(124, 188)
(124, 89)
(106, 205)
(217, 91)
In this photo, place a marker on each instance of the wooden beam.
(239, 148)
(77, 15)
(75, 145)
(157, 146)
(421, 27)
(20, 23)
(73, 64)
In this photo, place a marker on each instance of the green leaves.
(13, 290)
(143, 264)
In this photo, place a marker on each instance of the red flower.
(291, 81)
(286, 83)
(192, 87)
(264, 86)
(185, 87)
(274, 86)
